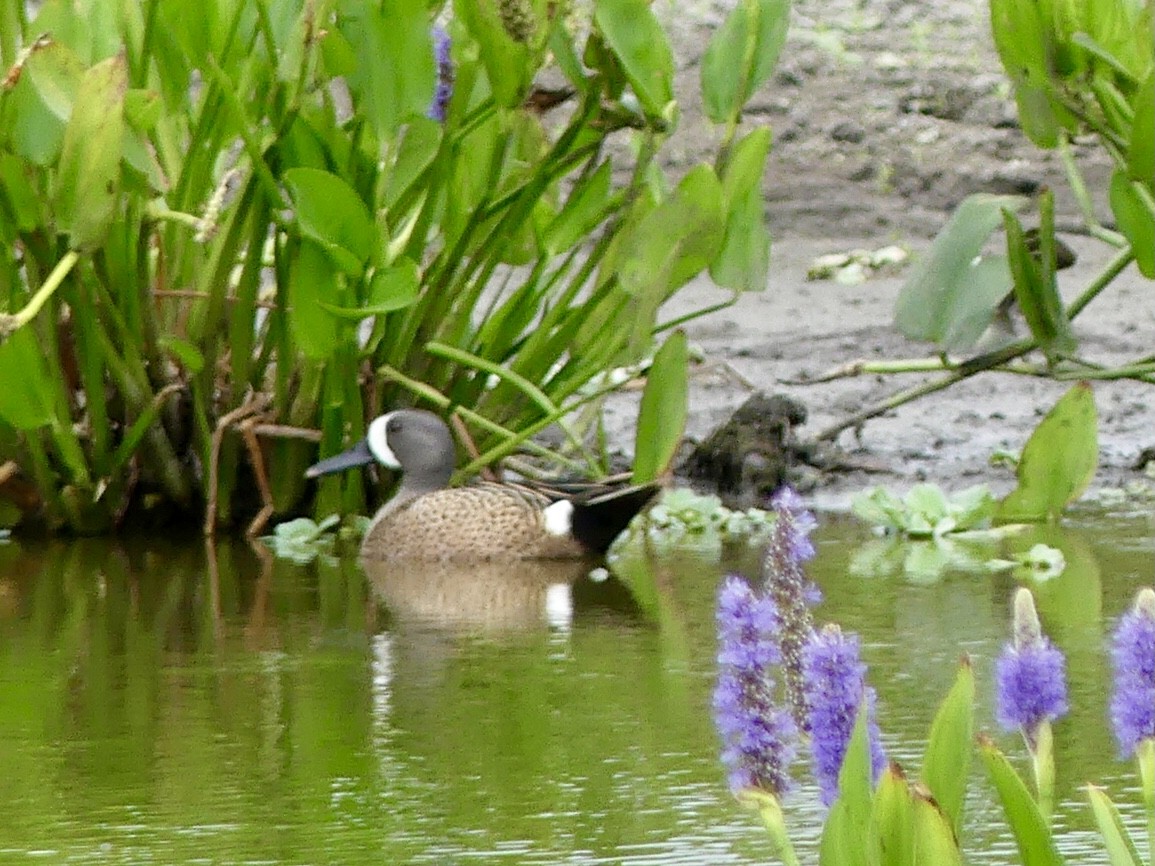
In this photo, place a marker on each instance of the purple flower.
(1133, 654)
(758, 739)
(440, 101)
(835, 681)
(1030, 674)
(786, 582)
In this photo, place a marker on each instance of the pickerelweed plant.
(1079, 70)
(235, 231)
(876, 813)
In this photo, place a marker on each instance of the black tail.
(599, 518)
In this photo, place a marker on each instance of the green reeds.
(218, 229)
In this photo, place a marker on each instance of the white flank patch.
(378, 440)
(558, 518)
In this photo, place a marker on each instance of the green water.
(164, 703)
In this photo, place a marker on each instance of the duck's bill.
(358, 455)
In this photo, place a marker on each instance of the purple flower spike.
(835, 688)
(1133, 654)
(793, 593)
(440, 102)
(1030, 674)
(758, 739)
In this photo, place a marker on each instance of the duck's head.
(412, 441)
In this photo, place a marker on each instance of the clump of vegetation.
(232, 235)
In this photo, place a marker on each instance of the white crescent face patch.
(378, 441)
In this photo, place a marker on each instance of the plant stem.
(10, 322)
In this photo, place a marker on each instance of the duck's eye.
(394, 425)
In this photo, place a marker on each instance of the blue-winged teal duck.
(488, 521)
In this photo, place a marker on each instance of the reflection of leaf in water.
(921, 560)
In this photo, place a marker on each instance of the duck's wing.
(480, 522)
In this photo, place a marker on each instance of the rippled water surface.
(165, 703)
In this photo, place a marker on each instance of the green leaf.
(26, 398)
(418, 148)
(1033, 836)
(741, 55)
(1037, 115)
(396, 71)
(89, 179)
(41, 102)
(1036, 289)
(744, 260)
(331, 213)
(946, 763)
(639, 41)
(892, 825)
(1141, 150)
(662, 416)
(846, 841)
(186, 353)
(586, 206)
(508, 64)
(934, 839)
(1120, 847)
(946, 297)
(390, 289)
(1136, 220)
(1058, 460)
(677, 239)
(19, 196)
(312, 281)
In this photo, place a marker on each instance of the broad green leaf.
(1058, 460)
(396, 71)
(89, 178)
(1120, 847)
(19, 195)
(1141, 150)
(741, 55)
(677, 239)
(1021, 39)
(418, 148)
(946, 763)
(744, 260)
(662, 416)
(26, 398)
(390, 289)
(838, 846)
(934, 838)
(670, 245)
(847, 840)
(142, 109)
(1036, 289)
(941, 296)
(1033, 836)
(892, 821)
(330, 212)
(313, 280)
(639, 41)
(1037, 115)
(42, 102)
(584, 209)
(1136, 220)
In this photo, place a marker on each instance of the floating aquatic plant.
(682, 518)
